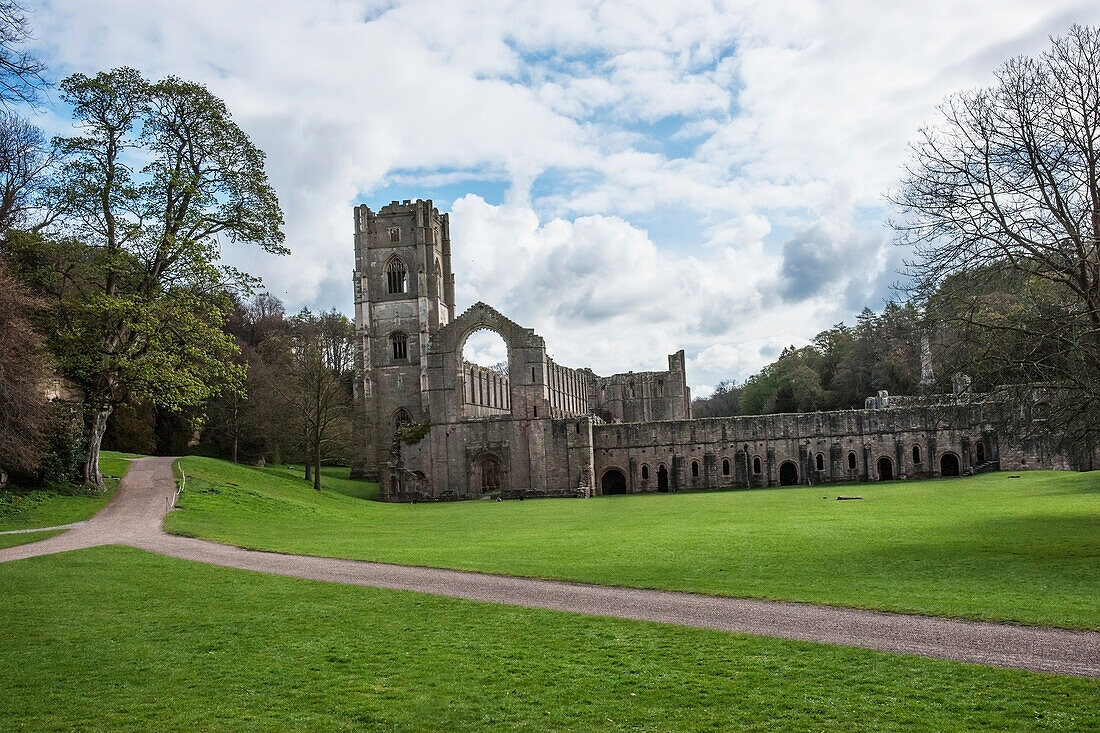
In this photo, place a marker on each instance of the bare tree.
(20, 73)
(320, 386)
(1001, 206)
(23, 160)
(24, 371)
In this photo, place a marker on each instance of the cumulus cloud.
(758, 138)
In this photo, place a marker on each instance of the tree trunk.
(95, 422)
(234, 448)
(317, 468)
(309, 468)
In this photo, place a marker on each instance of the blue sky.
(627, 178)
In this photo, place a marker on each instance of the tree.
(24, 371)
(142, 316)
(1001, 207)
(320, 389)
(23, 161)
(20, 73)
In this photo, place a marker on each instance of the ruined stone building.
(440, 427)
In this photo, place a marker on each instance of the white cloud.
(788, 118)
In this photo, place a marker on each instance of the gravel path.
(134, 518)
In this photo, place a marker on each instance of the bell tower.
(404, 293)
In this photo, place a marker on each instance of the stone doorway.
(788, 474)
(885, 469)
(949, 465)
(613, 482)
(662, 479)
(492, 475)
(981, 453)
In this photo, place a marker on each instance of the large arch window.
(399, 342)
(397, 275)
(438, 280)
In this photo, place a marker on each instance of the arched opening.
(401, 418)
(662, 478)
(645, 472)
(788, 474)
(397, 275)
(916, 454)
(980, 450)
(486, 387)
(756, 467)
(695, 469)
(949, 464)
(725, 467)
(399, 346)
(851, 460)
(492, 474)
(613, 482)
(885, 469)
(438, 280)
(820, 461)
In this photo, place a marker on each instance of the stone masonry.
(442, 428)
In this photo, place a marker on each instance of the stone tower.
(404, 293)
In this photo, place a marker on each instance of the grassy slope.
(51, 509)
(256, 652)
(988, 547)
(11, 540)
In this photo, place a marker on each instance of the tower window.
(395, 234)
(400, 344)
(438, 280)
(397, 275)
(401, 417)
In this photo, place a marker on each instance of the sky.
(627, 178)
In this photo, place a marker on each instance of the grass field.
(117, 639)
(54, 508)
(988, 547)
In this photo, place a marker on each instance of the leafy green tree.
(140, 316)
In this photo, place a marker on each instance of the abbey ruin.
(440, 427)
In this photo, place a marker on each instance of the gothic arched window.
(400, 344)
(438, 280)
(401, 417)
(397, 275)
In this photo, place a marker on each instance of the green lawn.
(332, 477)
(11, 540)
(989, 547)
(54, 508)
(117, 639)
